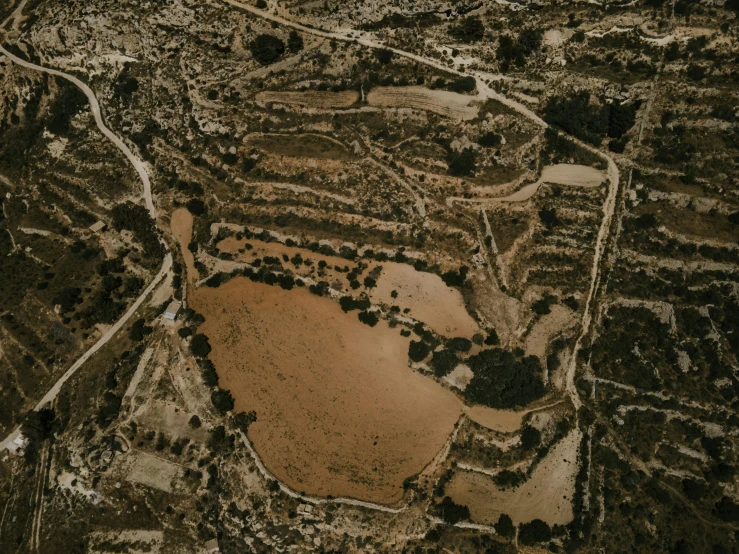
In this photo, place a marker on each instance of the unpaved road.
(166, 265)
(485, 92)
(137, 164)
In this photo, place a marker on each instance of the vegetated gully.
(484, 92)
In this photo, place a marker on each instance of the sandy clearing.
(428, 297)
(559, 319)
(181, 225)
(503, 421)
(572, 174)
(311, 98)
(443, 102)
(153, 472)
(339, 411)
(547, 495)
(460, 377)
(560, 174)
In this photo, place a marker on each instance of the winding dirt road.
(166, 265)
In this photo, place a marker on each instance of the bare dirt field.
(311, 98)
(443, 102)
(339, 411)
(503, 421)
(560, 174)
(181, 225)
(153, 472)
(573, 175)
(559, 319)
(428, 297)
(547, 495)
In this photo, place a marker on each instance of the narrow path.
(484, 93)
(140, 168)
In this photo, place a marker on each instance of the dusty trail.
(137, 164)
(140, 168)
(484, 93)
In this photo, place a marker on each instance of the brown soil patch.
(153, 472)
(430, 300)
(181, 225)
(503, 421)
(339, 411)
(311, 98)
(547, 495)
(442, 102)
(301, 146)
(559, 319)
(572, 174)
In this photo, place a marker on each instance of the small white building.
(97, 227)
(212, 546)
(19, 443)
(172, 310)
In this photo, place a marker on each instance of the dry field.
(442, 102)
(181, 224)
(502, 421)
(153, 472)
(561, 174)
(428, 297)
(559, 319)
(573, 175)
(547, 495)
(339, 411)
(311, 98)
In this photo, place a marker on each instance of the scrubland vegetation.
(364, 316)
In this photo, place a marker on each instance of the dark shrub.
(267, 49)
(451, 512)
(533, 532)
(199, 345)
(418, 350)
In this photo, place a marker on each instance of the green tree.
(294, 42)
(222, 401)
(530, 437)
(267, 49)
(451, 512)
(461, 163)
(505, 527)
(199, 345)
(418, 350)
(534, 532)
(243, 420)
(470, 29)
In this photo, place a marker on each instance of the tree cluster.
(504, 379)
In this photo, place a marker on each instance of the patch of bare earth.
(181, 224)
(559, 319)
(311, 98)
(339, 411)
(443, 102)
(547, 495)
(430, 300)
